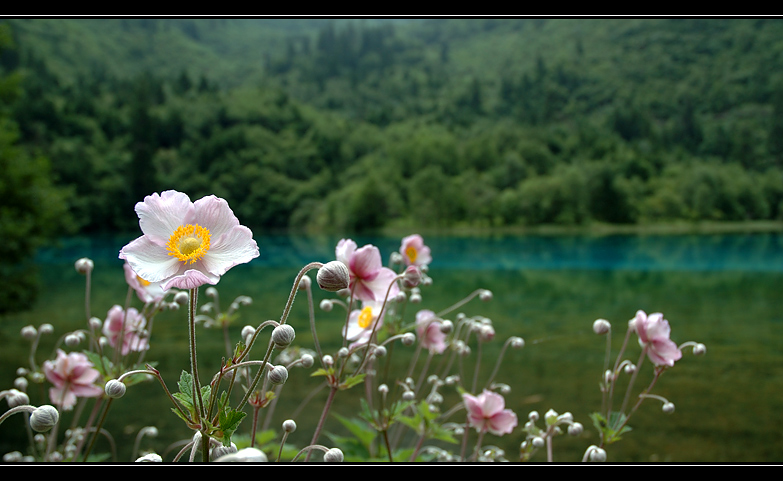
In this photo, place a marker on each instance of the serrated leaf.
(352, 381)
(361, 431)
(610, 429)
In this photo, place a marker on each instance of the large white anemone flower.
(187, 244)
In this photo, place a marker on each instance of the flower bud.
(538, 442)
(699, 349)
(71, 340)
(408, 339)
(668, 407)
(304, 283)
(575, 429)
(16, 398)
(307, 360)
(333, 276)
(95, 323)
(221, 450)
(379, 351)
(289, 425)
(328, 360)
(596, 454)
(114, 389)
(20, 383)
(343, 352)
(283, 335)
(46, 329)
(334, 455)
(44, 418)
(29, 333)
(326, 305)
(246, 455)
(411, 277)
(446, 326)
(278, 375)
(485, 295)
(181, 298)
(517, 342)
(84, 265)
(601, 326)
(408, 396)
(150, 458)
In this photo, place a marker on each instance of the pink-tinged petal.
(365, 262)
(190, 279)
(150, 261)
(235, 247)
(641, 326)
(379, 285)
(65, 399)
(472, 405)
(344, 251)
(214, 214)
(502, 423)
(493, 402)
(160, 215)
(664, 352)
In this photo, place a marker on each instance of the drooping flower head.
(73, 375)
(133, 335)
(148, 292)
(653, 332)
(187, 244)
(362, 321)
(368, 278)
(414, 252)
(429, 332)
(486, 413)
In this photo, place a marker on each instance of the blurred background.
(581, 168)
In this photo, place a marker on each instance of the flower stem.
(327, 406)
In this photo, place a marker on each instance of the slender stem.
(193, 358)
(460, 303)
(327, 406)
(98, 428)
(633, 378)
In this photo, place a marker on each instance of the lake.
(722, 290)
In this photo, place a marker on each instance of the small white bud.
(72, 340)
(219, 451)
(485, 295)
(396, 258)
(538, 442)
(517, 342)
(408, 339)
(575, 429)
(283, 335)
(16, 398)
(29, 333)
(150, 458)
(44, 418)
(533, 416)
(343, 352)
(307, 360)
(46, 329)
(181, 298)
(246, 455)
(415, 298)
(211, 292)
(597, 454)
(668, 407)
(278, 375)
(383, 389)
(446, 326)
(84, 265)
(95, 323)
(333, 276)
(289, 425)
(20, 383)
(629, 368)
(379, 351)
(411, 277)
(247, 331)
(699, 349)
(328, 360)
(114, 389)
(326, 305)
(334, 455)
(601, 326)
(408, 396)
(304, 283)
(550, 417)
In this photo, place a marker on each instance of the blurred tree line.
(438, 123)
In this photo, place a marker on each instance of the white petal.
(214, 214)
(234, 247)
(160, 215)
(148, 260)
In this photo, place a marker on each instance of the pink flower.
(148, 292)
(369, 279)
(73, 376)
(361, 322)
(428, 329)
(654, 331)
(187, 244)
(133, 338)
(414, 252)
(486, 413)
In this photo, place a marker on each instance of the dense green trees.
(440, 123)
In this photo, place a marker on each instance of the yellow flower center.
(412, 253)
(189, 243)
(143, 282)
(365, 317)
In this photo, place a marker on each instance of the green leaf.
(360, 429)
(352, 381)
(610, 429)
(229, 420)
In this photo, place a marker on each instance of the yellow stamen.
(412, 253)
(365, 317)
(189, 243)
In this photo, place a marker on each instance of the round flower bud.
(334, 455)
(485, 295)
(379, 351)
(289, 425)
(72, 340)
(221, 450)
(446, 326)
(114, 389)
(181, 298)
(699, 349)
(343, 352)
(596, 454)
(95, 323)
(326, 305)
(668, 407)
(16, 398)
(575, 429)
(29, 332)
(408, 396)
(278, 375)
(46, 329)
(550, 417)
(84, 265)
(333, 276)
(44, 418)
(408, 339)
(12, 457)
(283, 335)
(396, 258)
(517, 342)
(328, 360)
(247, 331)
(211, 292)
(20, 383)
(601, 326)
(150, 458)
(307, 360)
(304, 283)
(246, 455)
(411, 277)
(538, 442)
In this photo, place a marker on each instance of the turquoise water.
(722, 290)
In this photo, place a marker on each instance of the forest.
(356, 125)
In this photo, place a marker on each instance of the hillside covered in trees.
(363, 124)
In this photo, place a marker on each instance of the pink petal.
(236, 246)
(160, 215)
(150, 261)
(502, 423)
(214, 214)
(366, 262)
(190, 279)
